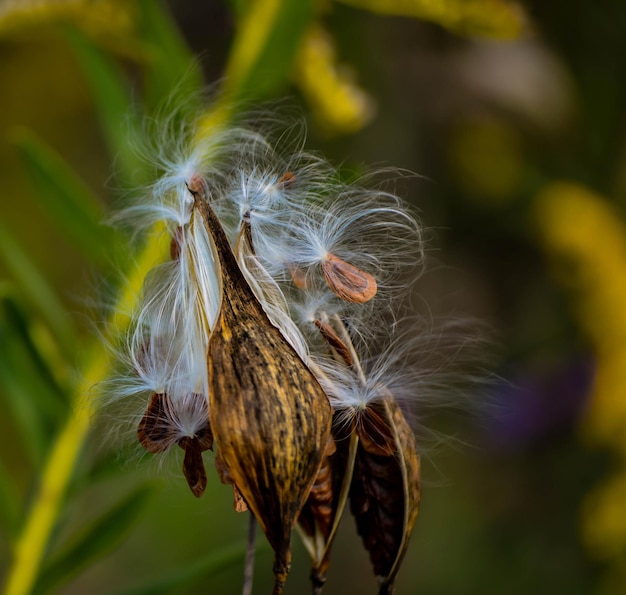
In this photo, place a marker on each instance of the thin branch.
(248, 573)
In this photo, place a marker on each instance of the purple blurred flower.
(534, 407)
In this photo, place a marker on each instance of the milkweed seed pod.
(330, 256)
(273, 336)
(374, 465)
(269, 415)
(167, 351)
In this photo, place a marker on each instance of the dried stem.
(248, 573)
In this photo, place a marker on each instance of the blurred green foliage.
(535, 503)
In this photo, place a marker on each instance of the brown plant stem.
(248, 573)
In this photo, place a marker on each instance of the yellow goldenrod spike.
(604, 519)
(213, 121)
(338, 104)
(585, 235)
(30, 547)
(489, 18)
(156, 251)
(108, 17)
(253, 32)
(47, 503)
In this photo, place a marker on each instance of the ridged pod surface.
(270, 417)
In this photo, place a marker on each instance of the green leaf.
(24, 414)
(10, 503)
(265, 47)
(30, 392)
(171, 66)
(37, 291)
(71, 204)
(94, 541)
(26, 356)
(215, 562)
(111, 94)
(238, 7)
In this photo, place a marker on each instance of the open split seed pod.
(156, 435)
(374, 466)
(372, 463)
(385, 488)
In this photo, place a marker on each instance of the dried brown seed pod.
(154, 431)
(157, 432)
(347, 281)
(376, 465)
(323, 510)
(269, 415)
(193, 467)
(385, 490)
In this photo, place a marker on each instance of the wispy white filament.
(285, 213)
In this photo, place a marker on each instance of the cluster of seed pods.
(256, 340)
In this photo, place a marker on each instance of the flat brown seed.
(286, 180)
(347, 281)
(154, 431)
(197, 186)
(176, 244)
(375, 433)
(298, 277)
(193, 466)
(247, 230)
(269, 415)
(239, 502)
(333, 339)
(205, 437)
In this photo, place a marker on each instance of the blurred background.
(510, 118)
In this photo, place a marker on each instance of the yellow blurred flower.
(587, 240)
(337, 103)
(604, 518)
(102, 19)
(102, 14)
(488, 18)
